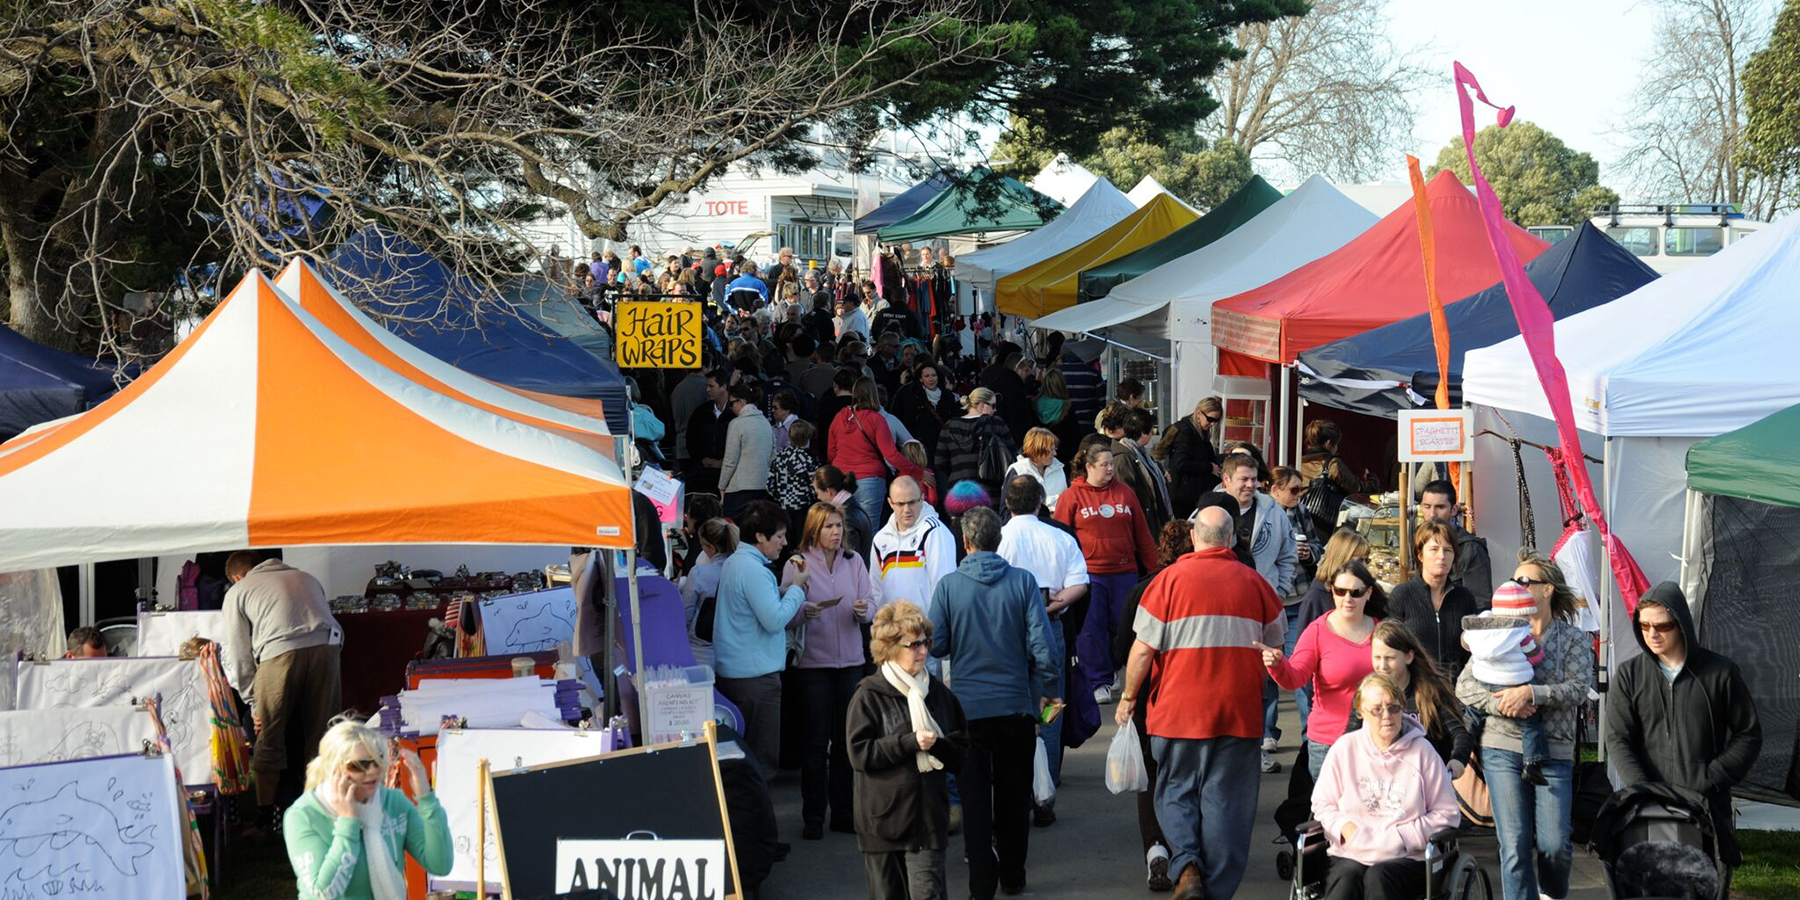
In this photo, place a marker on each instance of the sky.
(1566, 64)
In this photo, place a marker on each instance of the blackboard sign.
(662, 792)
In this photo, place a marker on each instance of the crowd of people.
(931, 549)
(990, 551)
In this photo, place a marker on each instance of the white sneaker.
(1269, 745)
(1103, 695)
(1269, 765)
(1156, 863)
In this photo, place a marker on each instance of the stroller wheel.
(1284, 865)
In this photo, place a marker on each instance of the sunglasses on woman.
(1349, 592)
(915, 645)
(359, 766)
(1529, 582)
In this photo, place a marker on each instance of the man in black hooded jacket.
(1680, 713)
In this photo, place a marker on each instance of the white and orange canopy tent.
(266, 428)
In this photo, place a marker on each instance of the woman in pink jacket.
(1381, 795)
(1333, 655)
(831, 664)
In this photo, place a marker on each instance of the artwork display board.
(127, 681)
(106, 827)
(29, 736)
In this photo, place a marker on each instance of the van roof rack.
(1668, 211)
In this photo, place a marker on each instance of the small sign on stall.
(1437, 435)
(658, 335)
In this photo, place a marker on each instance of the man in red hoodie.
(1196, 628)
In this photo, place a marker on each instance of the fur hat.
(1513, 599)
(1665, 869)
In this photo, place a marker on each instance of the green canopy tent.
(1243, 205)
(982, 201)
(1740, 561)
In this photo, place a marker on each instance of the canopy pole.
(1281, 448)
(1604, 651)
(637, 626)
(1299, 429)
(609, 678)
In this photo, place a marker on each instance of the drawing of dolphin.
(68, 817)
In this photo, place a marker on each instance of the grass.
(1771, 869)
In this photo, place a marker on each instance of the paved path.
(1093, 850)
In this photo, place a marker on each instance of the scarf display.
(915, 687)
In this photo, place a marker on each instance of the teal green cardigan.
(326, 850)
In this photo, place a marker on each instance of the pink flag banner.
(1537, 327)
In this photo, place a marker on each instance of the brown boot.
(1190, 887)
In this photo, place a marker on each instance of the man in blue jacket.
(988, 619)
(750, 622)
(737, 294)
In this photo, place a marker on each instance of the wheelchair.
(1450, 874)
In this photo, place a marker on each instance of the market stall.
(454, 319)
(905, 204)
(39, 383)
(1050, 285)
(1691, 355)
(1244, 204)
(1097, 210)
(1394, 367)
(981, 202)
(1173, 303)
(1371, 281)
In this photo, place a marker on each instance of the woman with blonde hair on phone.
(830, 664)
(348, 836)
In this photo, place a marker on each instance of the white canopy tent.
(1171, 306)
(1101, 207)
(1691, 355)
(1147, 189)
(1063, 180)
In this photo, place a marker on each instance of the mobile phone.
(1052, 711)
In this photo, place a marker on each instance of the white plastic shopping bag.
(1043, 790)
(1125, 762)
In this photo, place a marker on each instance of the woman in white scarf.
(907, 734)
(348, 836)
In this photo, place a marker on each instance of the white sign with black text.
(642, 870)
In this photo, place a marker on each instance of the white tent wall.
(1642, 490)
(347, 570)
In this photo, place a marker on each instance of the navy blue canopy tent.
(1373, 372)
(907, 203)
(38, 383)
(454, 319)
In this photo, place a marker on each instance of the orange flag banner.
(1440, 328)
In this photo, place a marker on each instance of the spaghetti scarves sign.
(656, 335)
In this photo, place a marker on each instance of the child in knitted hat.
(1503, 654)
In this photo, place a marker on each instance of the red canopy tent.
(1375, 279)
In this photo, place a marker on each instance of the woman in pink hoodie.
(1382, 793)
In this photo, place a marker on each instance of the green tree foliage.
(1538, 178)
(1771, 146)
(1184, 163)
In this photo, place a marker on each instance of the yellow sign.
(658, 335)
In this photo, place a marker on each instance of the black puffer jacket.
(899, 807)
(1699, 731)
(1438, 630)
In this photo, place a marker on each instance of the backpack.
(1323, 498)
(993, 464)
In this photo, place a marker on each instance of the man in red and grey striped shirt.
(1196, 627)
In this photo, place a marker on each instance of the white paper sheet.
(124, 681)
(56, 735)
(163, 633)
(457, 780)
(94, 827)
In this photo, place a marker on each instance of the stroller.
(1659, 840)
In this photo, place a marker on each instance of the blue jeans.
(1315, 757)
(1206, 804)
(1532, 738)
(1052, 733)
(1531, 824)
(1106, 599)
(871, 497)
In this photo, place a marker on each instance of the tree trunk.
(32, 308)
